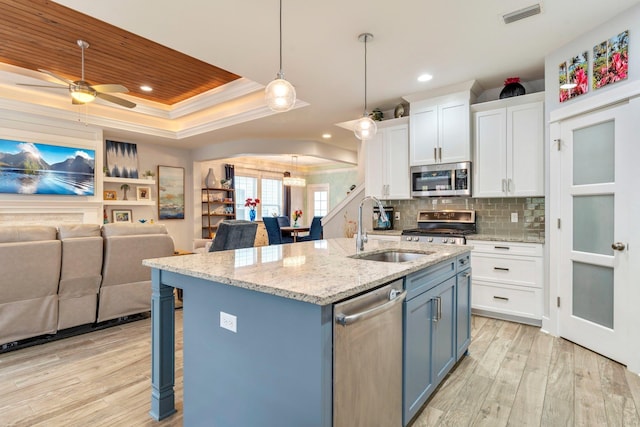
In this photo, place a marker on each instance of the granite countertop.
(488, 237)
(386, 232)
(319, 272)
(503, 238)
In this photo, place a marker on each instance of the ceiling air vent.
(521, 13)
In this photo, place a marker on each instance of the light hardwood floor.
(513, 376)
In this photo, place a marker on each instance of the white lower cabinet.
(508, 280)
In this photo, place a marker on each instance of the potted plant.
(125, 188)
(105, 171)
(148, 174)
(225, 183)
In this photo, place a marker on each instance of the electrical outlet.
(397, 216)
(514, 216)
(228, 321)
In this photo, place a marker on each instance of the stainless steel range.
(446, 226)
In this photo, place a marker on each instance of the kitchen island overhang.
(277, 366)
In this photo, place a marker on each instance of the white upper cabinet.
(387, 161)
(509, 147)
(440, 129)
(440, 132)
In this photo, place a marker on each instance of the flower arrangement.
(297, 214)
(252, 203)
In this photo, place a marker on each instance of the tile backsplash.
(493, 215)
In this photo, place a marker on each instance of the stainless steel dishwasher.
(367, 358)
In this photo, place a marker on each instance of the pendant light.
(291, 181)
(280, 94)
(365, 128)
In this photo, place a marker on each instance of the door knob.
(617, 246)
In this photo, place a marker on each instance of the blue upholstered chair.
(273, 231)
(234, 234)
(283, 221)
(315, 230)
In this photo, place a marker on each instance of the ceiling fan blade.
(110, 88)
(115, 100)
(47, 86)
(62, 79)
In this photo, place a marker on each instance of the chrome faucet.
(361, 237)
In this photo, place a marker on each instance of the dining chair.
(315, 230)
(234, 234)
(283, 221)
(273, 231)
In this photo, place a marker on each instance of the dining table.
(293, 231)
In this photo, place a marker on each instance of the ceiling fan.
(83, 92)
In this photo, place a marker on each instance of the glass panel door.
(594, 182)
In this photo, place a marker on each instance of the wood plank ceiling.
(40, 34)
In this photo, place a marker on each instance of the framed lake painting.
(170, 192)
(34, 168)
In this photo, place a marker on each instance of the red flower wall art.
(611, 60)
(573, 77)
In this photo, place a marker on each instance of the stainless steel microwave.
(441, 180)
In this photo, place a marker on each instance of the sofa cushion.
(69, 231)
(109, 230)
(27, 233)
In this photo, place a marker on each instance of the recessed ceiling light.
(146, 88)
(424, 77)
(326, 135)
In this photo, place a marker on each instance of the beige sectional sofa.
(126, 283)
(29, 276)
(55, 278)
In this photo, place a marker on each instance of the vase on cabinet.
(252, 214)
(512, 87)
(210, 180)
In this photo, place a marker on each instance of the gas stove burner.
(437, 231)
(448, 226)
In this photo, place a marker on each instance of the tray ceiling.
(40, 34)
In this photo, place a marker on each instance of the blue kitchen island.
(258, 327)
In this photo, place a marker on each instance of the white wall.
(150, 157)
(20, 208)
(51, 209)
(629, 20)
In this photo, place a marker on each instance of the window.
(271, 199)
(268, 190)
(320, 203)
(246, 187)
(318, 196)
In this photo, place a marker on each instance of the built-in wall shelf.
(115, 184)
(129, 202)
(136, 181)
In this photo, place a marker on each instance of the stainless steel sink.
(393, 255)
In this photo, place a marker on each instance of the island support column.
(162, 348)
